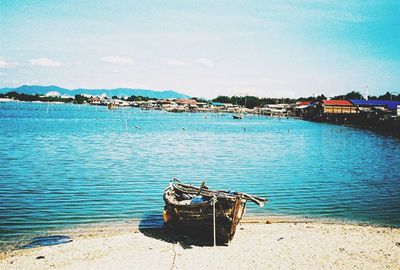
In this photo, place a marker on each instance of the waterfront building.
(275, 110)
(94, 101)
(203, 107)
(6, 100)
(186, 102)
(302, 104)
(386, 106)
(66, 96)
(300, 107)
(53, 94)
(338, 107)
(222, 107)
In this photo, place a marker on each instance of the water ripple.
(80, 164)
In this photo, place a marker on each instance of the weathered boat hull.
(198, 219)
(237, 116)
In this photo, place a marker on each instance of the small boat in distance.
(237, 116)
(190, 209)
(111, 106)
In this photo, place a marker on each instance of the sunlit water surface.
(66, 165)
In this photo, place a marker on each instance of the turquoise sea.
(64, 165)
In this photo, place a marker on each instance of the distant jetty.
(379, 115)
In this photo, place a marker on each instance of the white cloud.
(204, 62)
(12, 81)
(45, 62)
(177, 63)
(7, 64)
(117, 60)
(3, 64)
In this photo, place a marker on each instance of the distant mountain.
(120, 92)
(5, 90)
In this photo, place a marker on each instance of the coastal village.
(372, 114)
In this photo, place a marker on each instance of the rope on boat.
(210, 193)
(213, 202)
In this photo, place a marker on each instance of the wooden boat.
(111, 106)
(190, 209)
(237, 116)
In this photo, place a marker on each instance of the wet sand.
(256, 245)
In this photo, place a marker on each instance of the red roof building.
(337, 102)
(338, 107)
(303, 103)
(182, 101)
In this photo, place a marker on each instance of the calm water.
(65, 165)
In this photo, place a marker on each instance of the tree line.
(78, 99)
(247, 101)
(252, 101)
(36, 97)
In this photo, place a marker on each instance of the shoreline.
(112, 227)
(258, 244)
(380, 127)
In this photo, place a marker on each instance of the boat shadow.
(153, 226)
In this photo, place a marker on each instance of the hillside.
(120, 92)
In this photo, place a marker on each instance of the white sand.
(312, 245)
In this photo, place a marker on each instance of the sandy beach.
(256, 245)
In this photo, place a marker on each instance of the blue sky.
(203, 48)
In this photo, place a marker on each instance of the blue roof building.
(392, 105)
(217, 104)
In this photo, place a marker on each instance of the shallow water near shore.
(64, 165)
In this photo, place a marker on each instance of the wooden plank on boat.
(209, 193)
(184, 213)
(235, 217)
